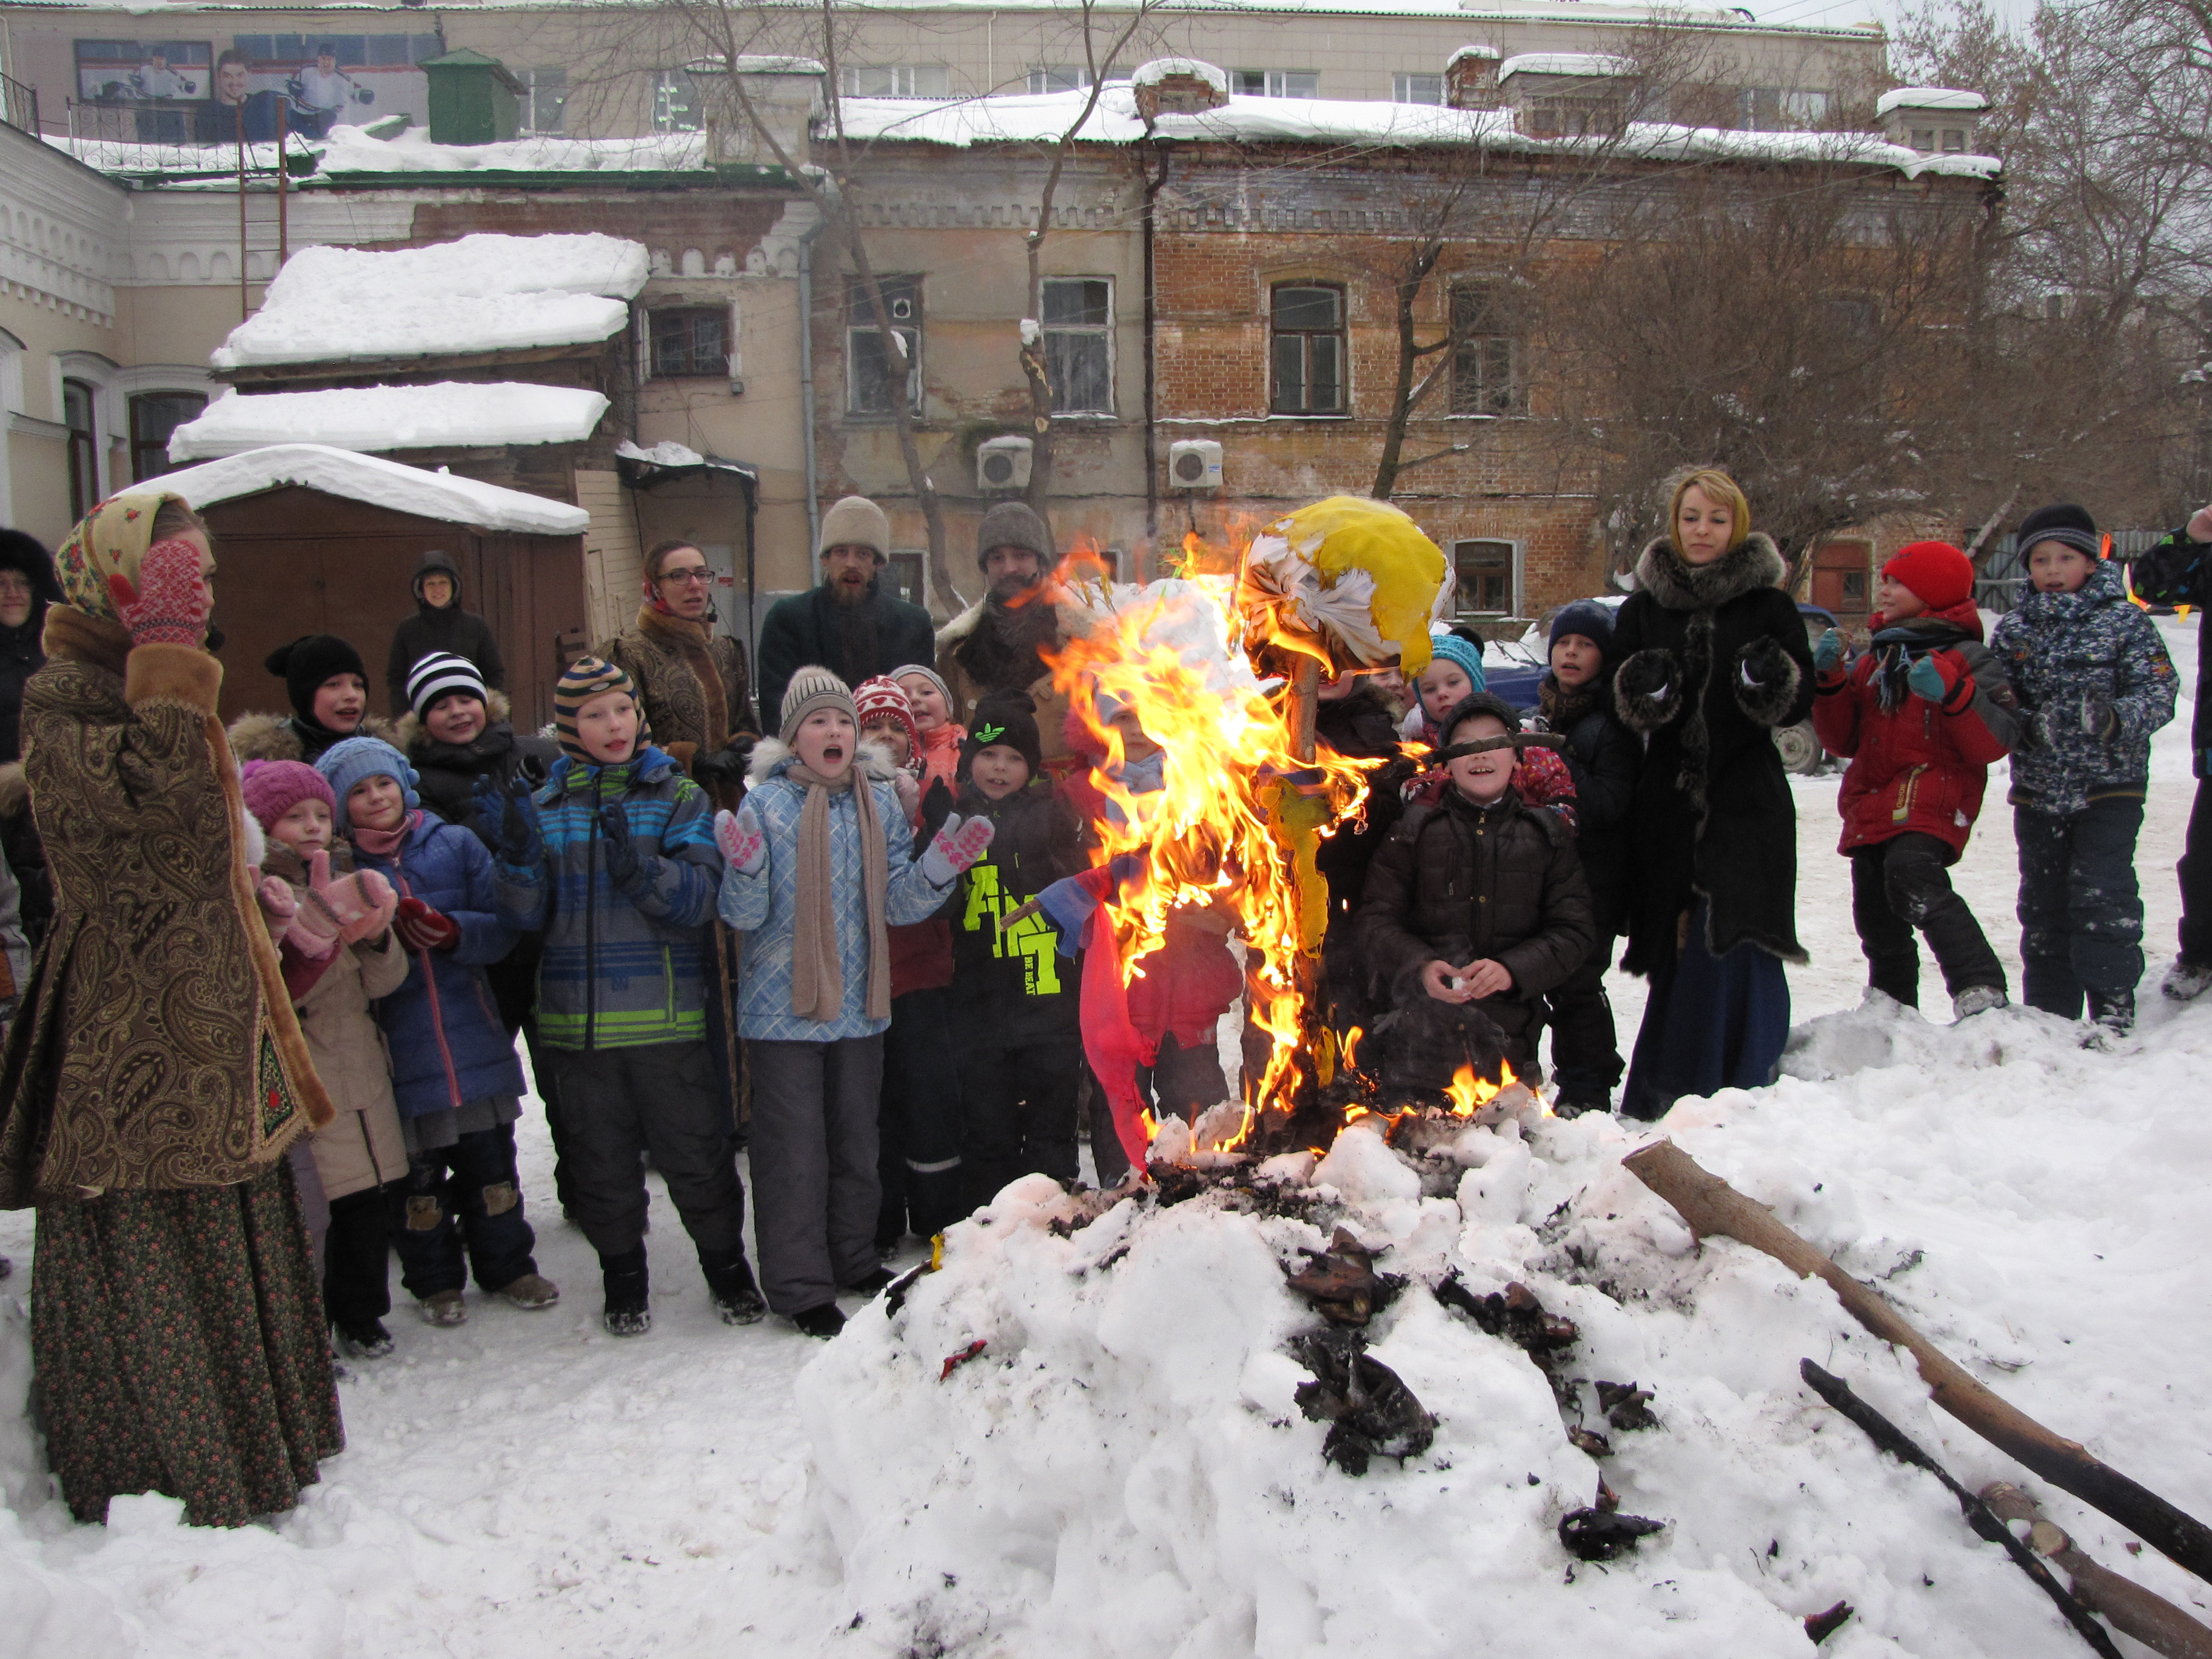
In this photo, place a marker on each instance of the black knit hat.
(305, 664)
(1006, 717)
(1587, 618)
(1481, 702)
(2065, 522)
(1014, 524)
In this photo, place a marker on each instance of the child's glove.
(625, 867)
(507, 813)
(1828, 655)
(2099, 719)
(1764, 663)
(422, 928)
(743, 841)
(1925, 679)
(170, 603)
(958, 845)
(726, 767)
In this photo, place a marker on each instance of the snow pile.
(1582, 65)
(380, 483)
(667, 453)
(1928, 98)
(380, 417)
(477, 294)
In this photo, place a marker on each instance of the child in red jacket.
(1921, 713)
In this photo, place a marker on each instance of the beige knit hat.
(810, 689)
(856, 521)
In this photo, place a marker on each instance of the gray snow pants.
(815, 1191)
(616, 1104)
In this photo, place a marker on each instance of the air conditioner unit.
(1194, 464)
(1003, 463)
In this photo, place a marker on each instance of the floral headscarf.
(109, 541)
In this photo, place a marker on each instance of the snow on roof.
(1151, 74)
(380, 483)
(757, 62)
(1471, 51)
(347, 149)
(481, 293)
(381, 417)
(1025, 118)
(1928, 98)
(1585, 64)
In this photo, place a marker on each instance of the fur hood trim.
(767, 754)
(271, 737)
(1753, 563)
(407, 731)
(770, 753)
(1074, 619)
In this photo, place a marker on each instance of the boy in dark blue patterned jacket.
(2178, 571)
(2093, 682)
(618, 864)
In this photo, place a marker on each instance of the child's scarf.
(817, 978)
(386, 843)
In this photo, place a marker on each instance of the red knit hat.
(882, 699)
(272, 788)
(1938, 573)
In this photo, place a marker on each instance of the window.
(77, 414)
(1780, 109)
(1487, 579)
(1059, 77)
(1078, 345)
(1309, 328)
(1485, 368)
(896, 81)
(677, 105)
(692, 342)
(1417, 89)
(1923, 138)
(545, 100)
(902, 577)
(870, 379)
(1574, 115)
(154, 416)
(1278, 83)
(1954, 140)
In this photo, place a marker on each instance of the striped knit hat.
(587, 678)
(441, 674)
(813, 687)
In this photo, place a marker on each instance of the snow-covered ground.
(1122, 1471)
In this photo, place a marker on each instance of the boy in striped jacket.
(615, 859)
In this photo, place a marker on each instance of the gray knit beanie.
(856, 521)
(1014, 524)
(813, 687)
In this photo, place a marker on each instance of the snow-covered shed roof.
(1474, 50)
(1583, 64)
(348, 149)
(380, 483)
(449, 415)
(1929, 98)
(478, 293)
(1151, 74)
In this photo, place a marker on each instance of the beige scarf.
(817, 979)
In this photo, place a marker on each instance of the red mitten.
(170, 603)
(422, 928)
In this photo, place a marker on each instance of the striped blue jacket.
(620, 968)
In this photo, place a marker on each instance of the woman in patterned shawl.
(155, 1073)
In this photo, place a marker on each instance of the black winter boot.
(729, 1284)
(628, 1290)
(824, 1321)
(2114, 1013)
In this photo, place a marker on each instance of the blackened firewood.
(1821, 1625)
(1591, 1441)
(1595, 1535)
(1340, 1281)
(1625, 1406)
(1369, 1410)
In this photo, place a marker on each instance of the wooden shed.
(314, 540)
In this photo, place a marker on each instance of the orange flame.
(1216, 844)
(1470, 1094)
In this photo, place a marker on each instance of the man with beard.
(999, 644)
(849, 624)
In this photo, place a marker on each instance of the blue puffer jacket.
(442, 1026)
(2059, 648)
(763, 906)
(622, 968)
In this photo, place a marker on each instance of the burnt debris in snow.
(1369, 1410)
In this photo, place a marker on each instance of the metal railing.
(19, 105)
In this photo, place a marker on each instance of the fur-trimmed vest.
(697, 694)
(155, 1049)
(1713, 659)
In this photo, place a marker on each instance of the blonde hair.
(1718, 488)
(175, 517)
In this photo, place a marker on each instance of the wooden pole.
(1710, 1206)
(1305, 706)
(2134, 1611)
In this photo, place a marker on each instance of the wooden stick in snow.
(2144, 1614)
(1710, 1206)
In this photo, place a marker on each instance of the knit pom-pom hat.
(273, 788)
(812, 688)
(880, 699)
(346, 762)
(1938, 574)
(585, 678)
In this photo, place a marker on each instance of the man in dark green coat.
(847, 624)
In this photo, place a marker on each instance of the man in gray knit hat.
(847, 624)
(999, 644)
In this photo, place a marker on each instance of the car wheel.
(1801, 748)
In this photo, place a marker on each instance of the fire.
(1470, 1094)
(1228, 836)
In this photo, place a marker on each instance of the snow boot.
(2114, 1014)
(730, 1286)
(442, 1308)
(530, 1292)
(1566, 1107)
(1977, 999)
(872, 1283)
(2186, 980)
(629, 1293)
(824, 1321)
(370, 1341)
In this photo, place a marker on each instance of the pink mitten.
(379, 905)
(278, 906)
(958, 845)
(314, 929)
(908, 790)
(741, 838)
(170, 603)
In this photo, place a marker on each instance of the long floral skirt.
(177, 1344)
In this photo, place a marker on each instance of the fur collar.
(1753, 563)
(407, 733)
(770, 755)
(1073, 618)
(82, 637)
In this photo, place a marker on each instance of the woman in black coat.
(1713, 657)
(27, 586)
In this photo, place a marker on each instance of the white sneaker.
(1977, 999)
(2186, 980)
